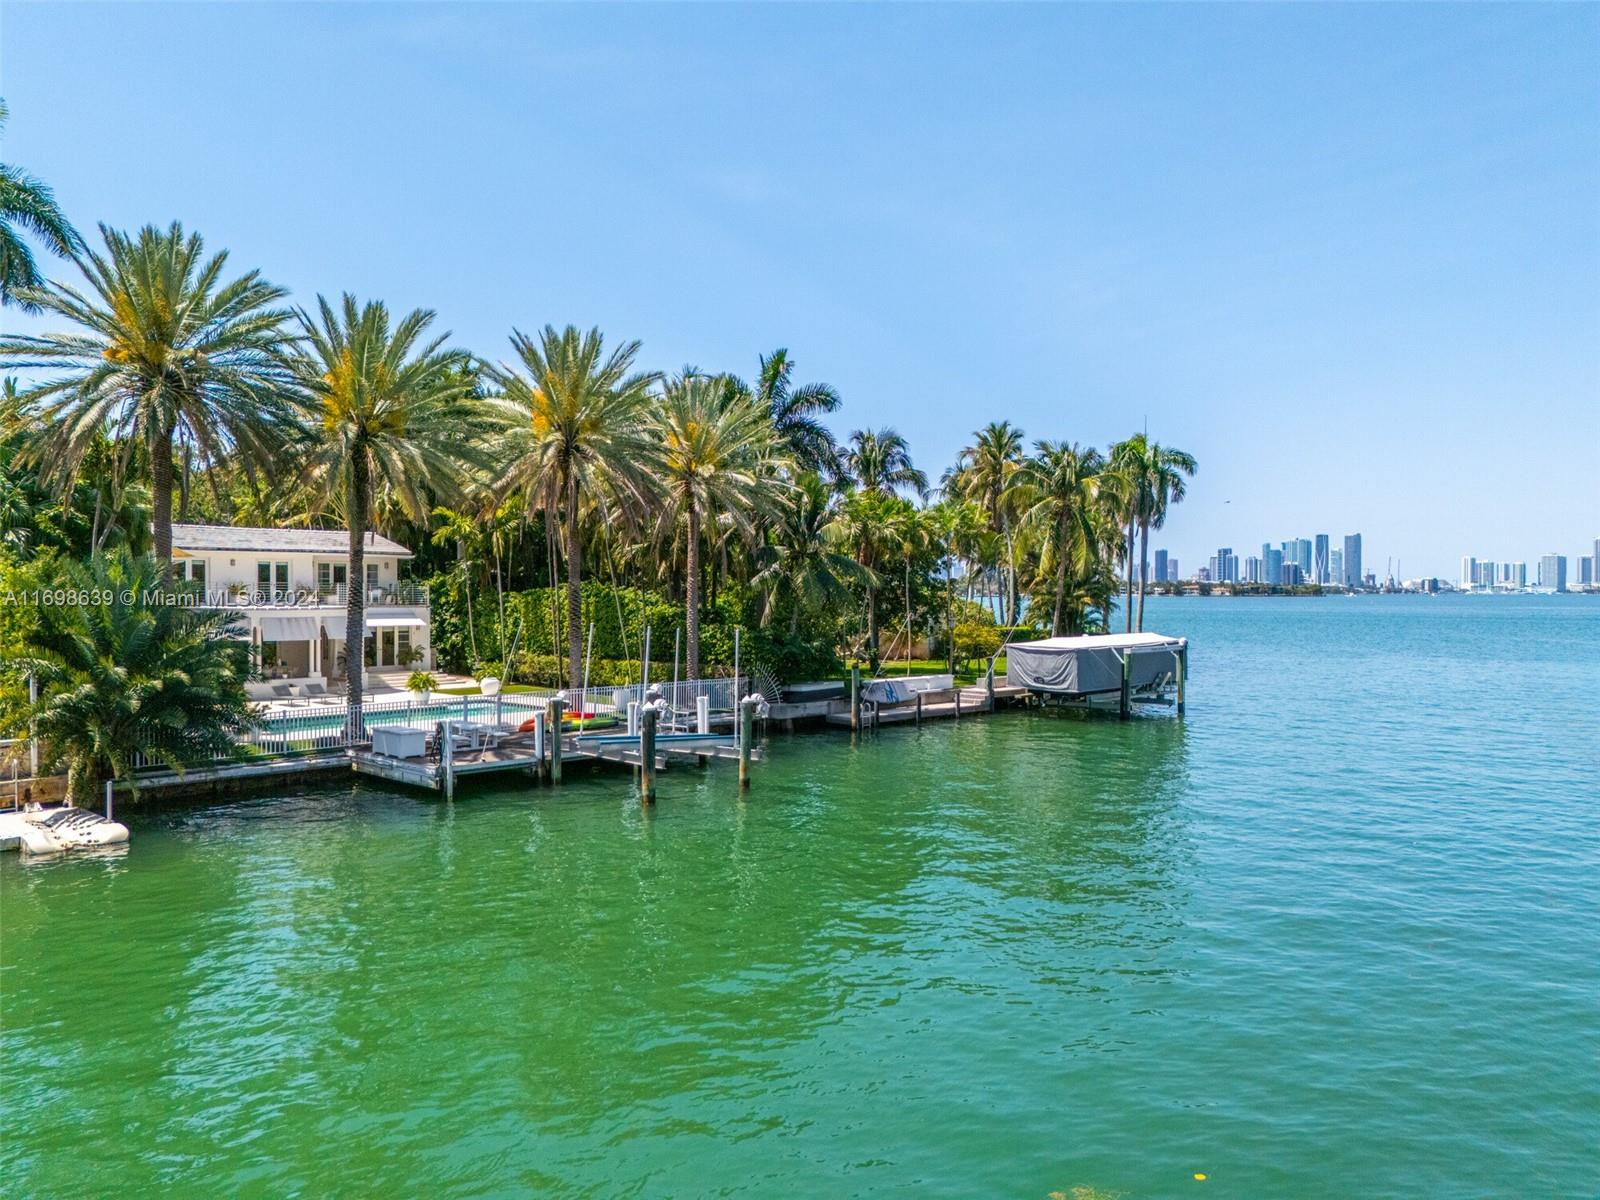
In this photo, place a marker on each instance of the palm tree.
(880, 462)
(715, 461)
(1161, 485)
(28, 205)
(463, 529)
(167, 351)
(866, 523)
(1154, 477)
(1068, 492)
(579, 433)
(984, 474)
(794, 410)
(383, 407)
(906, 533)
(133, 676)
(802, 558)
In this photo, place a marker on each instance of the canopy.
(387, 622)
(288, 629)
(1083, 666)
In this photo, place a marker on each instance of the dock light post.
(647, 756)
(855, 699)
(747, 715)
(555, 740)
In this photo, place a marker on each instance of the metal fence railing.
(315, 727)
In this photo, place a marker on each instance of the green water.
(1336, 934)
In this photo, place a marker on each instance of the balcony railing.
(405, 593)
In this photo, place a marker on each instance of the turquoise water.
(1335, 934)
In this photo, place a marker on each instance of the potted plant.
(421, 684)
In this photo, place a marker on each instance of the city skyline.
(1361, 301)
(1554, 569)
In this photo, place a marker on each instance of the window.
(272, 579)
(331, 578)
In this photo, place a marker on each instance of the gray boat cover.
(1083, 666)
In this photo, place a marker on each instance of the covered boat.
(1089, 667)
(52, 830)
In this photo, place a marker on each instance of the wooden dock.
(521, 753)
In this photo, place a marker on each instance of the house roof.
(278, 541)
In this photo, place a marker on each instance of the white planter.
(422, 697)
(489, 685)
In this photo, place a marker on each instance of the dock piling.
(447, 761)
(647, 756)
(919, 708)
(747, 715)
(1127, 667)
(1183, 672)
(555, 740)
(855, 699)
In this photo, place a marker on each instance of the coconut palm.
(867, 521)
(384, 407)
(803, 559)
(907, 532)
(794, 410)
(880, 461)
(133, 676)
(1154, 476)
(715, 462)
(166, 350)
(577, 433)
(1070, 500)
(27, 206)
(1162, 483)
(984, 474)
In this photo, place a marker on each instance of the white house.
(291, 585)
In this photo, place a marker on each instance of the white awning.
(387, 622)
(288, 629)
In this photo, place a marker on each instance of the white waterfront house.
(291, 585)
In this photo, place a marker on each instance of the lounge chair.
(316, 693)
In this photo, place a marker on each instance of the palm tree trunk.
(692, 604)
(872, 628)
(161, 496)
(1144, 557)
(355, 610)
(1128, 563)
(1061, 588)
(466, 590)
(574, 594)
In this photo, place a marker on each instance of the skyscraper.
(1161, 566)
(1273, 564)
(1172, 570)
(1469, 571)
(1252, 569)
(1586, 570)
(1596, 557)
(1319, 559)
(1352, 560)
(1553, 572)
(1336, 566)
(1292, 575)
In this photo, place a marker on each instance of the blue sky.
(1348, 256)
